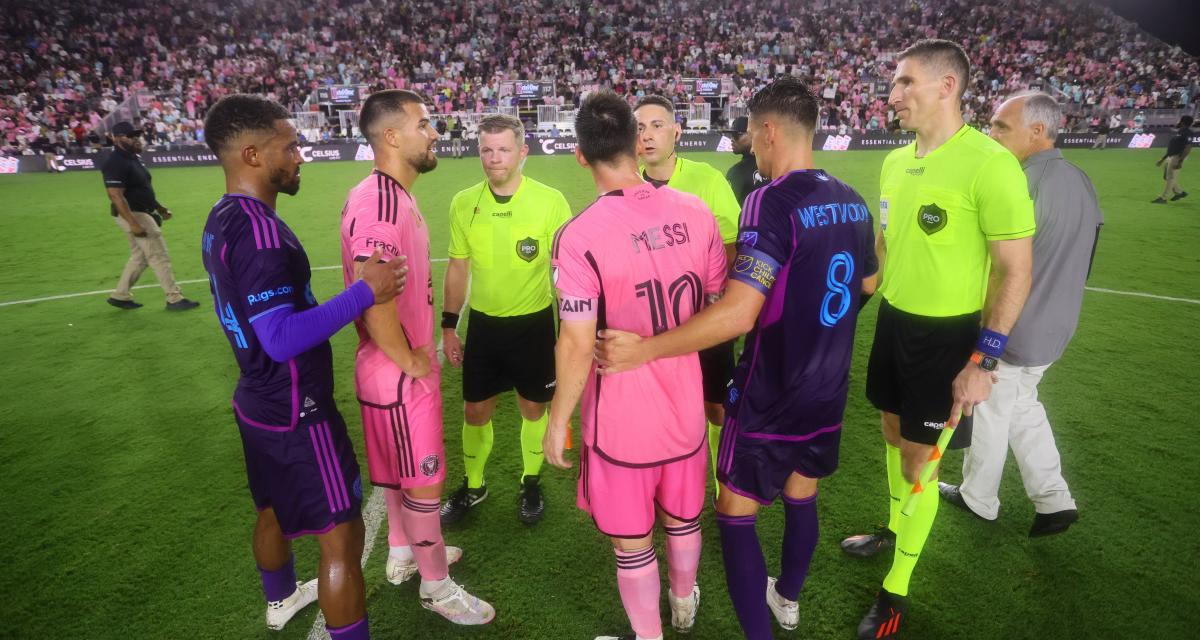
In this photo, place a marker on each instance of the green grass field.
(126, 512)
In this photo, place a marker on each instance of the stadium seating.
(66, 65)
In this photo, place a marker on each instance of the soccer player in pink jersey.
(641, 258)
(397, 375)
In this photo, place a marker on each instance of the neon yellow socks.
(477, 445)
(897, 488)
(911, 531)
(532, 432)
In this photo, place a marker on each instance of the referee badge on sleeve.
(931, 219)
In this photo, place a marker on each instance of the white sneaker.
(787, 612)
(280, 611)
(453, 603)
(399, 571)
(683, 610)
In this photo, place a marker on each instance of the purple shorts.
(308, 475)
(757, 466)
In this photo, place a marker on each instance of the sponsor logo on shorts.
(527, 249)
(931, 218)
(935, 425)
(430, 465)
(552, 384)
(733, 395)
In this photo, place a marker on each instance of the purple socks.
(745, 574)
(799, 542)
(280, 583)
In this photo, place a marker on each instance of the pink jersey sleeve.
(366, 230)
(576, 280)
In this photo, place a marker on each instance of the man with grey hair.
(501, 230)
(1068, 226)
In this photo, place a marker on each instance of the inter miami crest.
(931, 218)
(527, 249)
(429, 465)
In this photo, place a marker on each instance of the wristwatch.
(985, 362)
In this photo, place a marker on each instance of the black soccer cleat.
(533, 507)
(1158, 201)
(459, 504)
(124, 304)
(870, 544)
(1179, 196)
(952, 493)
(884, 617)
(183, 304)
(1048, 524)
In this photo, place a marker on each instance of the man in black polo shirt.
(1177, 150)
(743, 177)
(139, 215)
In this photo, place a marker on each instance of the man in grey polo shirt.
(1068, 226)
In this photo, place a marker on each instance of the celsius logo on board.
(1141, 141)
(311, 153)
(9, 165)
(78, 163)
(364, 152)
(550, 145)
(836, 143)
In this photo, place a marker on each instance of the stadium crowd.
(65, 65)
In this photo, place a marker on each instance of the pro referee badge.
(932, 218)
(527, 249)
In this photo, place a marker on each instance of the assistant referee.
(953, 209)
(500, 235)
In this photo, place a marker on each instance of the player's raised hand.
(618, 351)
(554, 443)
(386, 279)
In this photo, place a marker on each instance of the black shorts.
(503, 353)
(914, 361)
(716, 369)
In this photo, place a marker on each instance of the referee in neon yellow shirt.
(956, 258)
(501, 231)
(658, 133)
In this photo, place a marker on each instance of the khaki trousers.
(149, 250)
(1171, 171)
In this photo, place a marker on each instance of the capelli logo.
(1141, 141)
(551, 145)
(836, 143)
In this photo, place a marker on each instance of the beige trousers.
(149, 250)
(1171, 176)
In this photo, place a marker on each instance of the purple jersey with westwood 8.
(806, 242)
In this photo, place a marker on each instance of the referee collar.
(962, 131)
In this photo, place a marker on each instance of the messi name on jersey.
(655, 238)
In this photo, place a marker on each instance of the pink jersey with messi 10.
(642, 260)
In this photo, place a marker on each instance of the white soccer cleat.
(280, 611)
(399, 571)
(787, 612)
(683, 610)
(453, 603)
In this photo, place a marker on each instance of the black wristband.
(449, 320)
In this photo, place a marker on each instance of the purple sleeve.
(285, 334)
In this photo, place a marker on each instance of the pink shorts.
(622, 499)
(405, 447)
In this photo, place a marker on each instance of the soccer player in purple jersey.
(805, 264)
(300, 464)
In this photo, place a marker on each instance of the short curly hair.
(237, 113)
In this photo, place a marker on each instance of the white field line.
(65, 296)
(373, 514)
